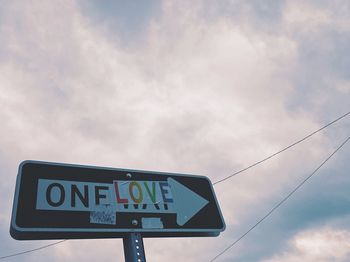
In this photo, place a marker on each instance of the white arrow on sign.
(121, 196)
(186, 202)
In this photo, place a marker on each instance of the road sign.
(71, 201)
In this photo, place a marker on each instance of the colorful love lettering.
(117, 193)
(152, 194)
(132, 186)
(143, 192)
(165, 189)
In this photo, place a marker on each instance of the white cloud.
(310, 17)
(323, 244)
(306, 16)
(343, 86)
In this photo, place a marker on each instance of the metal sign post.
(133, 248)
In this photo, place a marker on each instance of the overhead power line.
(32, 250)
(281, 202)
(282, 150)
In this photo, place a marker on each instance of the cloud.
(312, 17)
(321, 31)
(323, 244)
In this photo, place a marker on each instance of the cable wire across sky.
(32, 250)
(282, 150)
(228, 177)
(282, 201)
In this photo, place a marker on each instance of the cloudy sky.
(201, 87)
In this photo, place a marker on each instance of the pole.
(133, 248)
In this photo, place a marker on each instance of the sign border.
(22, 233)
